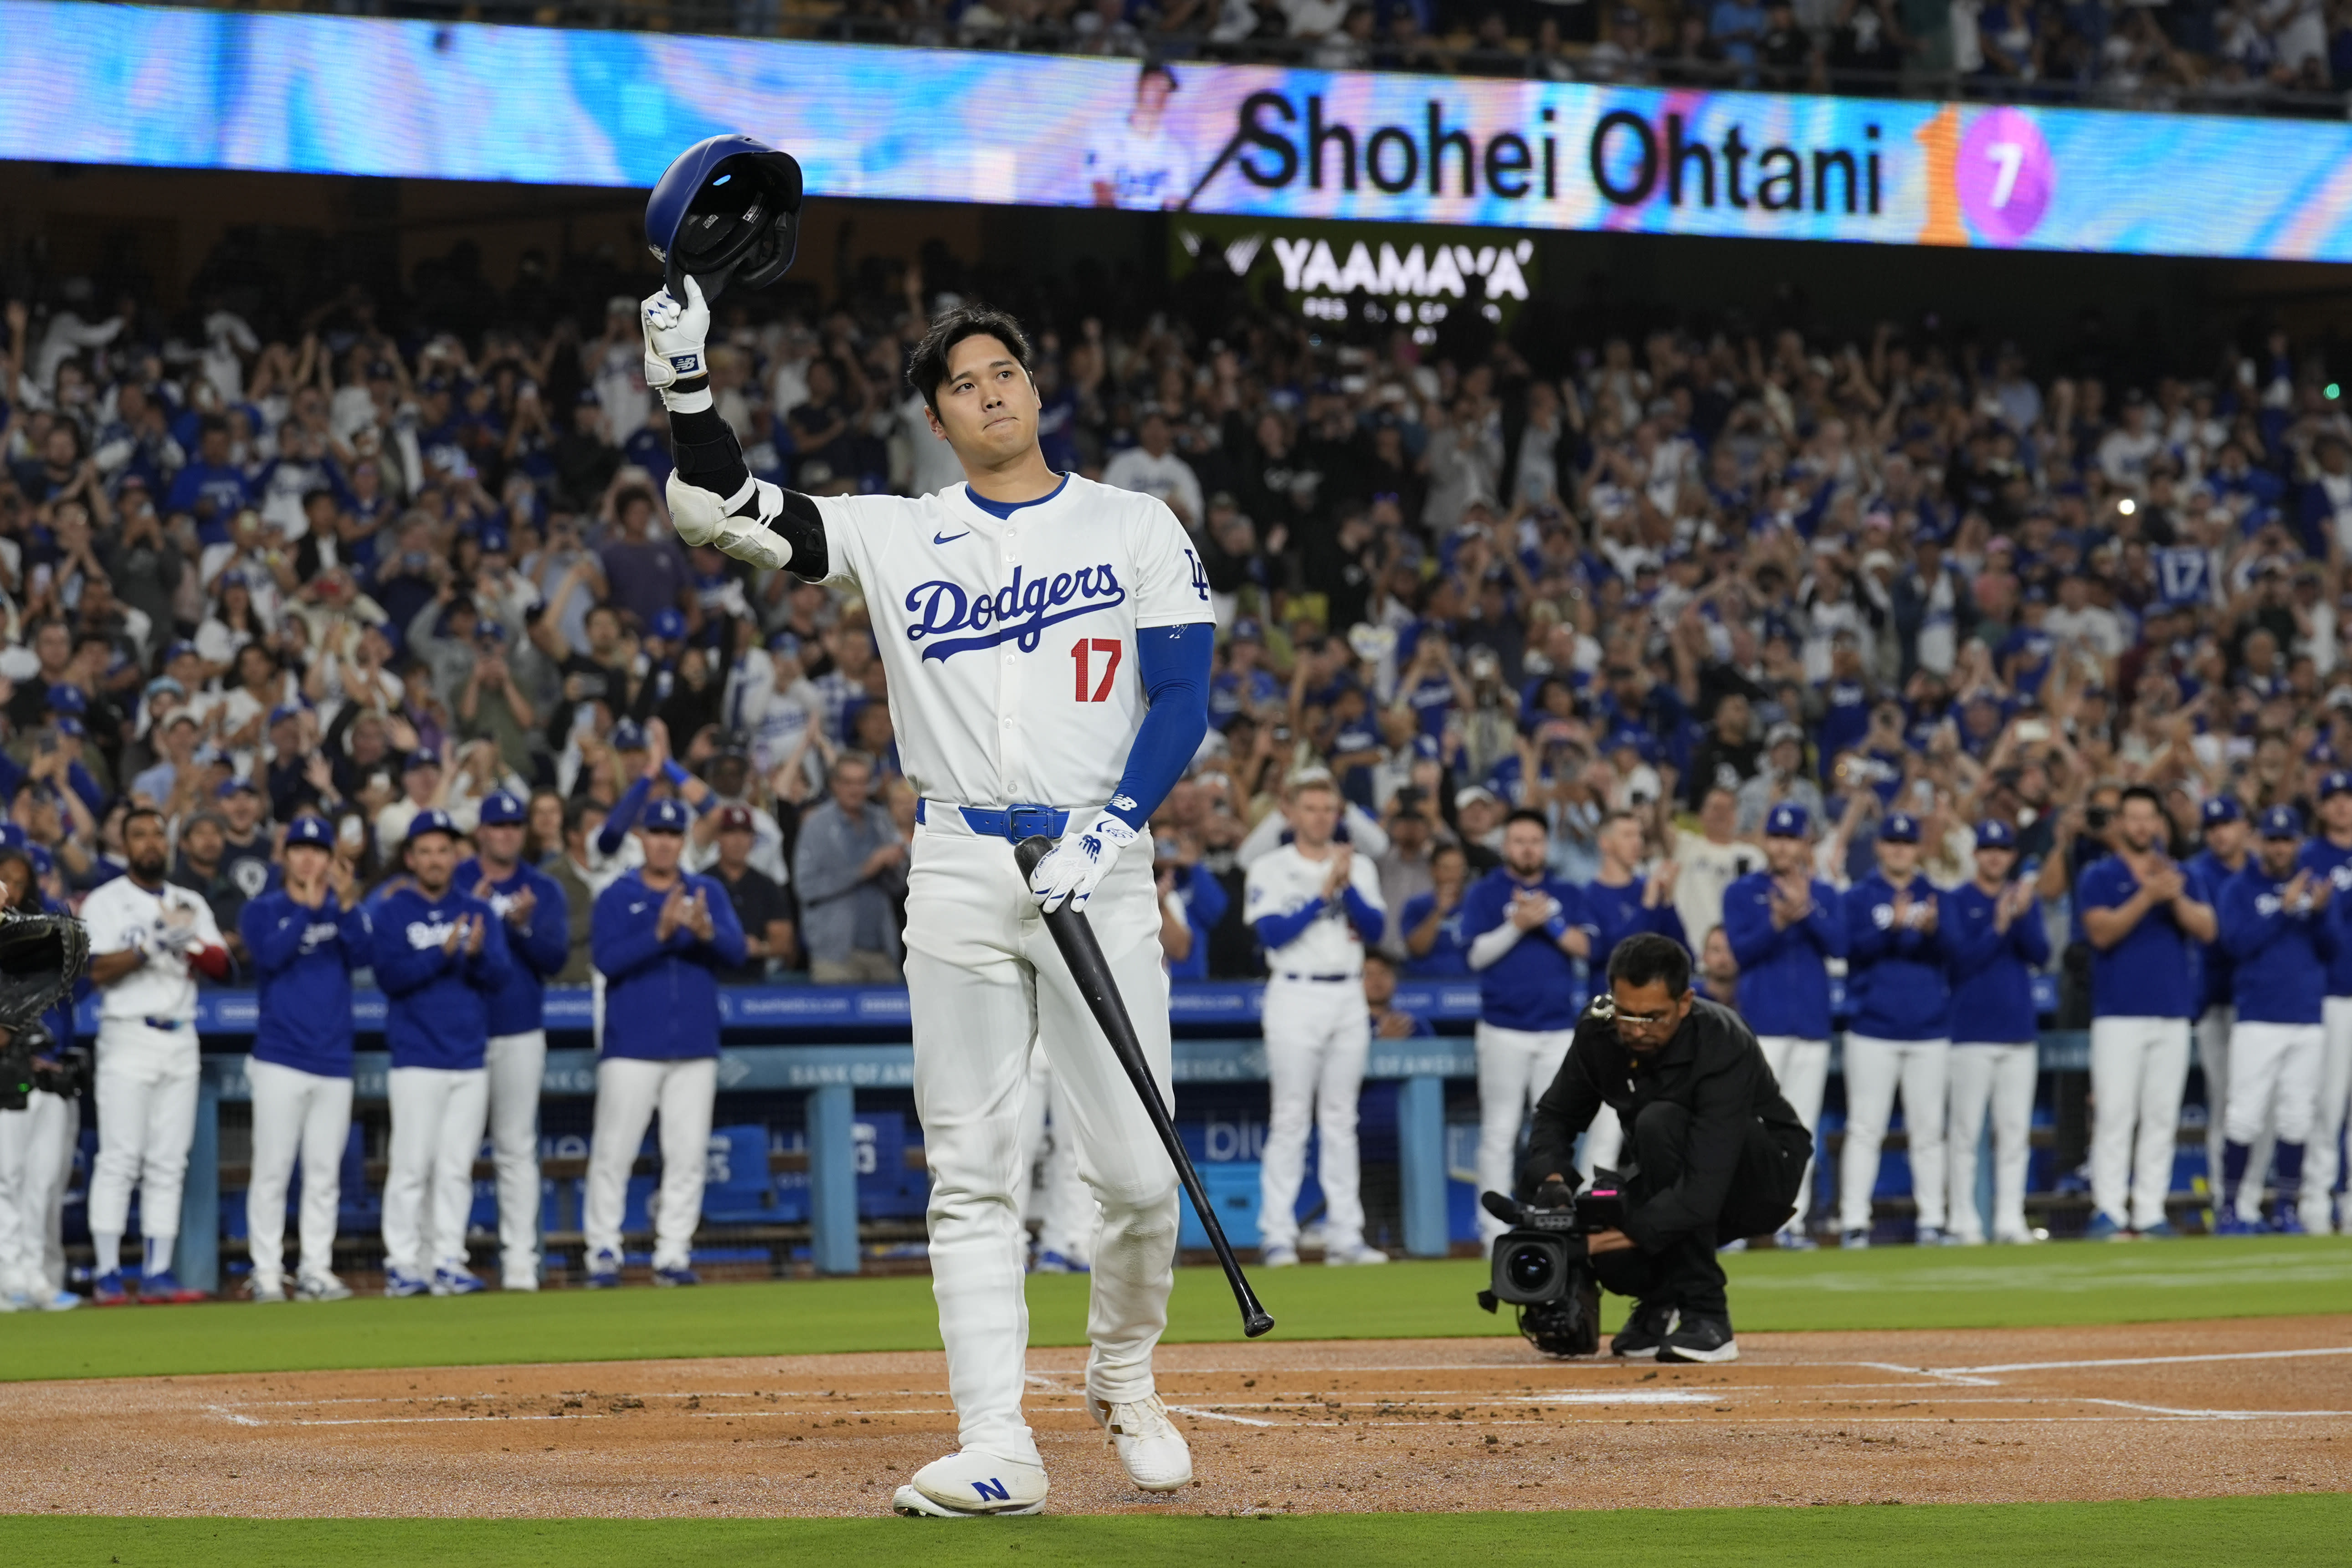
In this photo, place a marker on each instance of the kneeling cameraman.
(1715, 1152)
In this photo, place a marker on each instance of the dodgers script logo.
(1018, 612)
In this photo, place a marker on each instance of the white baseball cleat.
(1155, 1455)
(969, 1484)
(1355, 1256)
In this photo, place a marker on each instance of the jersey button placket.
(1008, 685)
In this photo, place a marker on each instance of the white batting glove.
(1074, 868)
(705, 517)
(675, 334)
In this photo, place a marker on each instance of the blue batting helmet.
(727, 208)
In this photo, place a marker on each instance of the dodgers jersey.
(1287, 885)
(1010, 642)
(124, 914)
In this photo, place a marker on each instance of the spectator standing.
(1314, 904)
(1526, 931)
(1897, 988)
(1430, 922)
(2228, 840)
(1783, 926)
(1389, 1021)
(148, 940)
(2329, 855)
(303, 938)
(2281, 936)
(1153, 467)
(762, 908)
(850, 859)
(538, 932)
(579, 880)
(1191, 902)
(1620, 900)
(663, 936)
(1997, 941)
(2141, 918)
(440, 956)
(1709, 862)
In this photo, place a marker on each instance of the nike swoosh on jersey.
(949, 538)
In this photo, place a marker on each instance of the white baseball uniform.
(1064, 1209)
(147, 1064)
(1010, 647)
(1316, 1036)
(37, 1150)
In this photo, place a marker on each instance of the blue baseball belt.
(1011, 823)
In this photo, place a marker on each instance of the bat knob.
(1029, 851)
(1256, 1325)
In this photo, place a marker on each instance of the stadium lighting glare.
(2127, 506)
(2334, 391)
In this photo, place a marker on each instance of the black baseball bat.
(1084, 954)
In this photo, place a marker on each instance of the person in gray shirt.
(849, 861)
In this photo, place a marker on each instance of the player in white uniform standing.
(148, 940)
(1047, 642)
(1314, 904)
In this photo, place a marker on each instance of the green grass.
(1891, 1288)
(2282, 1531)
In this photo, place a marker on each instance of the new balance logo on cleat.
(992, 1491)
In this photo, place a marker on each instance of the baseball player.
(440, 956)
(1314, 904)
(1526, 928)
(2282, 938)
(539, 928)
(149, 939)
(661, 936)
(1619, 902)
(2329, 855)
(303, 938)
(2141, 919)
(1996, 941)
(1900, 1031)
(1046, 642)
(2228, 838)
(37, 1141)
(1784, 925)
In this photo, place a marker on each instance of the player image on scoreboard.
(1142, 161)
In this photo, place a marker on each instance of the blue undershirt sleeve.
(1280, 930)
(624, 816)
(1174, 664)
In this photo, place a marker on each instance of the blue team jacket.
(1204, 903)
(2207, 877)
(1896, 988)
(2282, 959)
(1992, 971)
(1532, 986)
(2152, 973)
(1784, 976)
(538, 950)
(2326, 860)
(439, 1002)
(303, 958)
(661, 998)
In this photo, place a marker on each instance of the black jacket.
(1712, 1067)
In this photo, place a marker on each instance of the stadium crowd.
(1674, 598)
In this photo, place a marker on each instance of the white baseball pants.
(2000, 1079)
(1801, 1067)
(984, 979)
(2322, 1163)
(1066, 1209)
(1515, 1067)
(1875, 1069)
(518, 1067)
(437, 1129)
(295, 1112)
(2138, 1068)
(37, 1150)
(628, 1093)
(1317, 1034)
(2275, 1072)
(146, 1094)
(2212, 1040)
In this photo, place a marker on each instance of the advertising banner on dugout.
(350, 95)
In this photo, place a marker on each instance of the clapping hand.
(1335, 878)
(477, 932)
(1530, 909)
(673, 912)
(2166, 884)
(697, 915)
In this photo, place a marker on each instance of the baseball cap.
(2336, 781)
(734, 743)
(421, 758)
(734, 819)
(433, 820)
(1994, 833)
(1246, 630)
(1900, 827)
(2221, 808)
(1623, 738)
(665, 815)
(1788, 820)
(785, 643)
(279, 714)
(66, 724)
(668, 625)
(1473, 793)
(2281, 822)
(628, 737)
(502, 808)
(64, 699)
(161, 686)
(230, 787)
(180, 651)
(311, 830)
(1784, 730)
(494, 541)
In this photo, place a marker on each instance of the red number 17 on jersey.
(1108, 648)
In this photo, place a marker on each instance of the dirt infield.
(2173, 1410)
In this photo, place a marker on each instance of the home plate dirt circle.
(2172, 1410)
